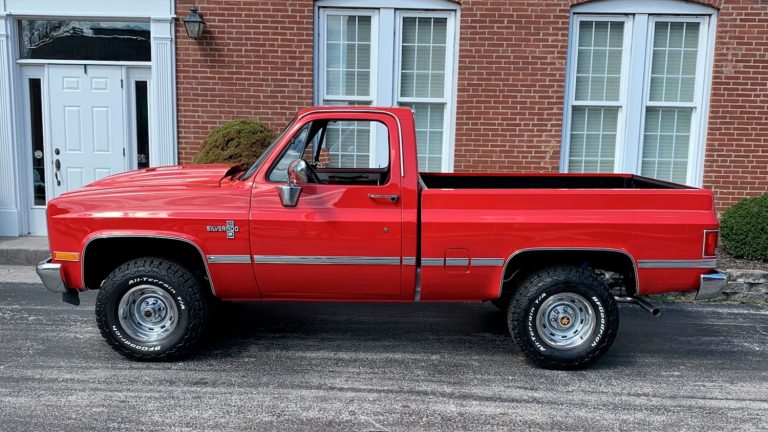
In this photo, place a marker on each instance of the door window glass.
(84, 40)
(38, 149)
(329, 147)
(142, 125)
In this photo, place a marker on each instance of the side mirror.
(297, 174)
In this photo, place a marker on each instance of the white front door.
(87, 124)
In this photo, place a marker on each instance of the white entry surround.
(15, 169)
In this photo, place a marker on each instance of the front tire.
(152, 309)
(563, 317)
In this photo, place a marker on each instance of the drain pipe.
(653, 310)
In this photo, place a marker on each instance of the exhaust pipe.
(653, 310)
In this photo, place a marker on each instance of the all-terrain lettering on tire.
(151, 309)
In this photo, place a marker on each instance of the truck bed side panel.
(491, 225)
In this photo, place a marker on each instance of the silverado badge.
(230, 228)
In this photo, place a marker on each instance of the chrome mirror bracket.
(289, 194)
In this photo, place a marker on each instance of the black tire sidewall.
(595, 341)
(119, 334)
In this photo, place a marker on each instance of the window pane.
(348, 55)
(673, 67)
(142, 125)
(85, 40)
(348, 144)
(593, 139)
(665, 143)
(422, 62)
(598, 60)
(429, 119)
(38, 149)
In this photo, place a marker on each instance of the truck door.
(342, 239)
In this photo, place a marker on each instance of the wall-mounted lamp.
(194, 24)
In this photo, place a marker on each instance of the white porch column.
(163, 148)
(10, 222)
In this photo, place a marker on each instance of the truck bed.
(543, 181)
(483, 220)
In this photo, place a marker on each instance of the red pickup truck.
(336, 210)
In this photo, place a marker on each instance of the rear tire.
(563, 317)
(152, 309)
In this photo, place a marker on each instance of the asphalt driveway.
(375, 367)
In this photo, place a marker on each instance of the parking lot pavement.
(375, 367)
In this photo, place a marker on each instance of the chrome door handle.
(391, 198)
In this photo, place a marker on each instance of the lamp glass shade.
(194, 24)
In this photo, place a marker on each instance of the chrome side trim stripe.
(346, 260)
(229, 259)
(487, 262)
(462, 262)
(457, 262)
(358, 260)
(707, 263)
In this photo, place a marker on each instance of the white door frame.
(36, 214)
(129, 74)
(14, 208)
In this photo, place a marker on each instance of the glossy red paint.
(459, 239)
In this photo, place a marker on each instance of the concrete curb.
(23, 251)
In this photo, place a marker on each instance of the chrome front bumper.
(50, 274)
(712, 284)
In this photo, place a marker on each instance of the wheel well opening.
(103, 255)
(615, 268)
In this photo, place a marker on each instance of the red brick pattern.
(511, 83)
(255, 60)
(736, 160)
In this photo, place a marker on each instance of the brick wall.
(255, 60)
(736, 162)
(511, 82)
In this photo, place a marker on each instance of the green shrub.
(241, 140)
(744, 229)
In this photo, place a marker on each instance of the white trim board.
(162, 89)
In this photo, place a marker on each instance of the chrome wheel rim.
(565, 321)
(148, 313)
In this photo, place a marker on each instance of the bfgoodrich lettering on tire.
(563, 317)
(151, 309)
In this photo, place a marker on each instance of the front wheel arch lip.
(100, 235)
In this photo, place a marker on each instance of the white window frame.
(450, 77)
(621, 104)
(377, 157)
(697, 135)
(641, 17)
(322, 56)
(386, 84)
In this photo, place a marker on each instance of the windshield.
(266, 153)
